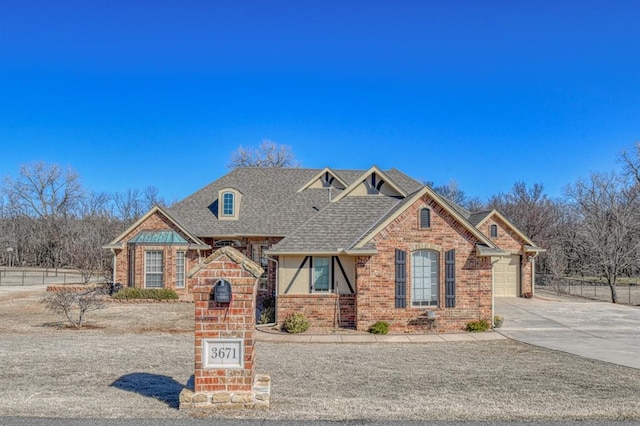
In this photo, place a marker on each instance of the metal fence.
(39, 276)
(628, 292)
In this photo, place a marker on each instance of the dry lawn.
(133, 360)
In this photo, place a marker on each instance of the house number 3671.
(223, 353)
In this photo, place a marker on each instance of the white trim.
(162, 274)
(184, 269)
(319, 175)
(364, 177)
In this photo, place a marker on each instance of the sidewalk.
(265, 336)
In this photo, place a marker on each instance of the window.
(493, 231)
(321, 274)
(424, 277)
(153, 269)
(228, 204)
(425, 218)
(180, 269)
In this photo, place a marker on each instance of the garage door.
(506, 276)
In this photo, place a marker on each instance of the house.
(345, 247)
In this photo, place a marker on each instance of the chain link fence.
(628, 291)
(40, 276)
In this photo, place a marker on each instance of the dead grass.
(138, 357)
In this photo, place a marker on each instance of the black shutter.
(401, 279)
(450, 278)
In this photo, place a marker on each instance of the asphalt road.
(27, 421)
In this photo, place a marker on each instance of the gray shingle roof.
(338, 226)
(270, 202)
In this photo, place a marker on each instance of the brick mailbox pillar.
(225, 374)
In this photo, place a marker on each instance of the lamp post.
(10, 251)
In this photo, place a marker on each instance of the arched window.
(425, 218)
(228, 204)
(425, 272)
(493, 231)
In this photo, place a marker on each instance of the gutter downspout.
(275, 296)
(113, 279)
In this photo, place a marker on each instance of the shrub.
(478, 326)
(267, 316)
(381, 327)
(296, 323)
(74, 305)
(146, 293)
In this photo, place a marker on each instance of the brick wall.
(320, 309)
(214, 321)
(155, 222)
(508, 240)
(376, 274)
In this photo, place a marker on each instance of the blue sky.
(161, 93)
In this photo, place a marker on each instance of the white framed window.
(493, 231)
(153, 261)
(425, 265)
(180, 267)
(321, 274)
(228, 204)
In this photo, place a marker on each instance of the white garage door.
(506, 276)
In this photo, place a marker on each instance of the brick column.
(224, 375)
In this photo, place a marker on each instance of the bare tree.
(606, 207)
(268, 154)
(631, 162)
(530, 209)
(557, 264)
(47, 196)
(452, 192)
(74, 305)
(129, 205)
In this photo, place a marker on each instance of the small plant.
(478, 326)
(296, 323)
(498, 320)
(381, 327)
(74, 305)
(146, 293)
(267, 315)
(527, 295)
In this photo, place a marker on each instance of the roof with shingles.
(271, 204)
(338, 226)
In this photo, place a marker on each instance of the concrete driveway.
(597, 330)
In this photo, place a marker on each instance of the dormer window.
(493, 231)
(228, 204)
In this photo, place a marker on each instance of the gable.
(373, 182)
(429, 198)
(327, 178)
(156, 225)
(508, 237)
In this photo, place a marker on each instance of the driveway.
(597, 330)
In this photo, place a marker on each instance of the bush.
(74, 305)
(381, 327)
(146, 293)
(296, 323)
(267, 316)
(478, 326)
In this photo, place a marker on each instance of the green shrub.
(478, 326)
(381, 327)
(267, 316)
(296, 323)
(146, 293)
